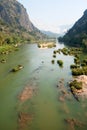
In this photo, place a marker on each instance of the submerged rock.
(74, 122)
(26, 94)
(3, 61)
(17, 68)
(24, 119)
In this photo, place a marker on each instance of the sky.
(54, 15)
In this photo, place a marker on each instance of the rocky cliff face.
(15, 23)
(78, 33)
(14, 14)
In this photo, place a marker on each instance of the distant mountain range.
(62, 30)
(15, 22)
(50, 34)
(77, 35)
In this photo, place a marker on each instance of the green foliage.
(54, 56)
(84, 44)
(85, 61)
(83, 64)
(76, 61)
(74, 66)
(75, 85)
(79, 71)
(64, 51)
(54, 51)
(2, 38)
(5, 49)
(53, 61)
(60, 62)
(14, 28)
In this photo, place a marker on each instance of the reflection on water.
(49, 105)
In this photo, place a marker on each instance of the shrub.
(75, 85)
(77, 56)
(76, 61)
(54, 51)
(85, 61)
(60, 62)
(38, 45)
(54, 56)
(74, 66)
(83, 64)
(53, 61)
(64, 51)
(79, 71)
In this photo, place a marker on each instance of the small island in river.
(79, 85)
(47, 45)
(17, 68)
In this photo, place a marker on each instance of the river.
(48, 108)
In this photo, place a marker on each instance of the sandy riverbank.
(47, 45)
(83, 79)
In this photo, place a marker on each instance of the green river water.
(46, 110)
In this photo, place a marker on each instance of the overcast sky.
(51, 14)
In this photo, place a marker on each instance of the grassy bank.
(5, 49)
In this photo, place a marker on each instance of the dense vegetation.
(15, 26)
(77, 35)
(75, 86)
(80, 65)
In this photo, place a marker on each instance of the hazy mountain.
(77, 35)
(50, 34)
(62, 30)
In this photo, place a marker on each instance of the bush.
(64, 51)
(54, 56)
(53, 61)
(54, 51)
(74, 66)
(60, 62)
(77, 56)
(79, 71)
(75, 85)
(76, 61)
(83, 64)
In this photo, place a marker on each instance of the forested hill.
(15, 23)
(77, 35)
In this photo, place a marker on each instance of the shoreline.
(83, 79)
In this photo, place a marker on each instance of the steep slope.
(77, 35)
(14, 14)
(15, 21)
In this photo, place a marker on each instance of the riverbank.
(83, 80)
(6, 49)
